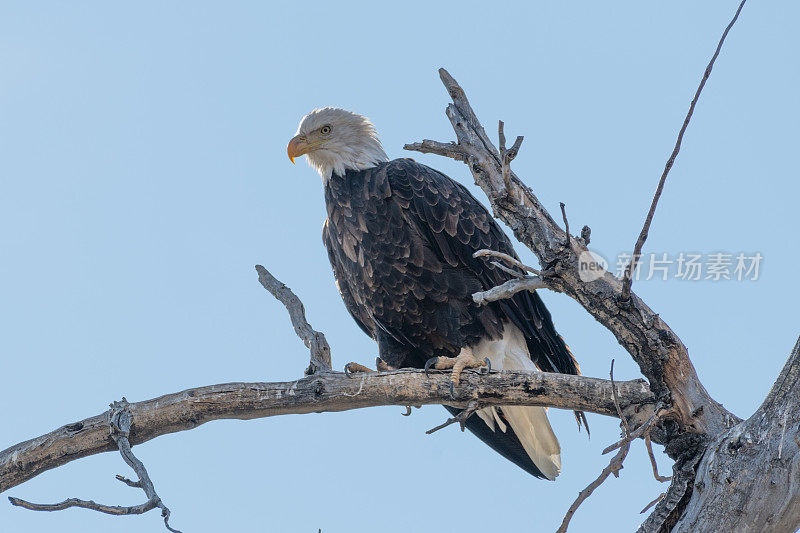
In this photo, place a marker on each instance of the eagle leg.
(465, 359)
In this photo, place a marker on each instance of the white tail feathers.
(530, 424)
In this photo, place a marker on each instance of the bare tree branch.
(119, 422)
(636, 433)
(506, 156)
(627, 277)
(509, 289)
(325, 392)
(507, 270)
(653, 463)
(451, 150)
(84, 504)
(652, 503)
(566, 222)
(616, 402)
(614, 466)
(461, 418)
(507, 258)
(313, 339)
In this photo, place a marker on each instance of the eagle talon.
(347, 371)
(452, 394)
(429, 363)
(488, 368)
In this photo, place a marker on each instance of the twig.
(653, 463)
(616, 402)
(507, 270)
(507, 258)
(119, 421)
(514, 150)
(614, 466)
(635, 434)
(314, 340)
(509, 289)
(129, 482)
(566, 222)
(652, 503)
(503, 163)
(506, 156)
(637, 249)
(428, 146)
(461, 418)
(84, 504)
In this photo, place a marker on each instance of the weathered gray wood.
(322, 392)
(119, 425)
(660, 354)
(314, 340)
(749, 477)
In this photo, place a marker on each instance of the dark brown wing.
(358, 312)
(457, 226)
(401, 238)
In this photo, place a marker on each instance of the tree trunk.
(749, 476)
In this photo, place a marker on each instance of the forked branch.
(661, 355)
(119, 424)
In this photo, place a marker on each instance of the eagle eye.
(325, 129)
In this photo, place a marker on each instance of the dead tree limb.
(119, 424)
(314, 340)
(325, 392)
(615, 465)
(660, 354)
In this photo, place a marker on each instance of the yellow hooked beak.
(297, 146)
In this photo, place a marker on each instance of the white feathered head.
(335, 140)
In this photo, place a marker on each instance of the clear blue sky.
(143, 173)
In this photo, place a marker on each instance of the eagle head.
(336, 140)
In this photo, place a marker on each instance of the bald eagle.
(400, 238)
